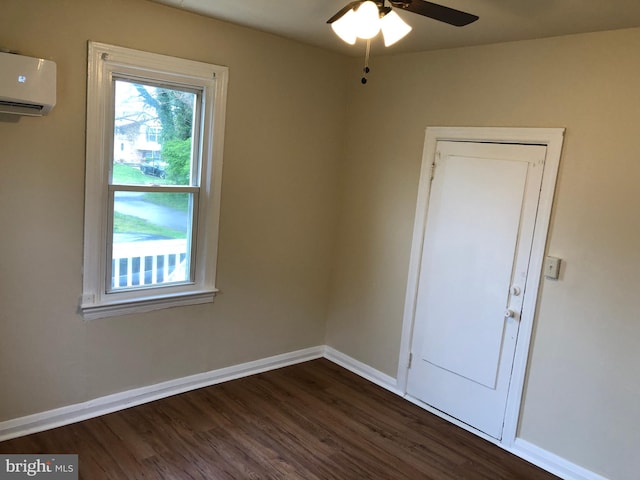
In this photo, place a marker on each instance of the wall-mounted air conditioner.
(27, 85)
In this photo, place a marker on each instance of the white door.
(473, 275)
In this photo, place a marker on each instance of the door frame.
(552, 138)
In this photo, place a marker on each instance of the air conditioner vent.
(21, 108)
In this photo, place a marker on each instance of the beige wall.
(303, 174)
(277, 221)
(583, 388)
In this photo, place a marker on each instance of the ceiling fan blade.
(344, 10)
(437, 12)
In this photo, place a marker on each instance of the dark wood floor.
(309, 421)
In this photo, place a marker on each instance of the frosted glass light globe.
(367, 20)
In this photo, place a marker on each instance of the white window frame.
(105, 62)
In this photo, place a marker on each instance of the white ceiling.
(500, 20)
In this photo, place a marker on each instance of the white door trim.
(550, 137)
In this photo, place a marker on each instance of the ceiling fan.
(421, 7)
(364, 19)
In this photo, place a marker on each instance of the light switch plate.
(552, 267)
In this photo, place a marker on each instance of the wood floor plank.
(312, 421)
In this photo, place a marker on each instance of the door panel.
(472, 252)
(476, 247)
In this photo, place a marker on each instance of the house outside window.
(152, 205)
(153, 133)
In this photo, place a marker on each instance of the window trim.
(104, 61)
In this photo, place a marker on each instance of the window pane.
(151, 239)
(153, 135)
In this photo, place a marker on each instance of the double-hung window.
(155, 127)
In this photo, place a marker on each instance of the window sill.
(104, 309)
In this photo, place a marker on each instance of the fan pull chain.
(366, 63)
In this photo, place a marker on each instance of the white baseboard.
(552, 462)
(363, 370)
(111, 403)
(58, 417)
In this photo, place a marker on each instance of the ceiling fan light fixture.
(367, 20)
(345, 27)
(393, 28)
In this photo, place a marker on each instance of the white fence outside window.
(151, 262)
